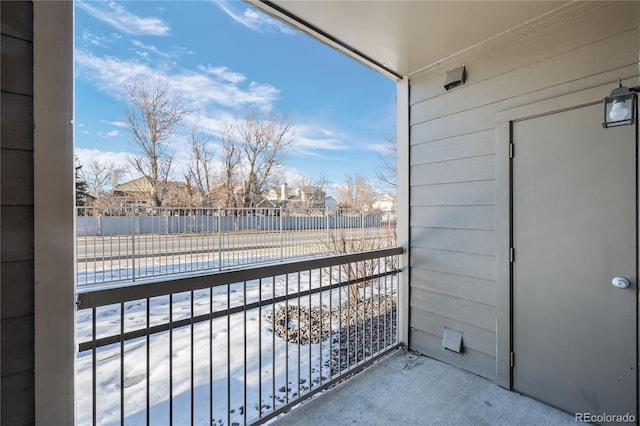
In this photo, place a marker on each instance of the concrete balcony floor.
(410, 389)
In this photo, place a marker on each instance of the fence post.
(327, 224)
(219, 240)
(281, 237)
(133, 245)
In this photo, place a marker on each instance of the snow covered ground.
(237, 358)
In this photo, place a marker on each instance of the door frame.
(504, 226)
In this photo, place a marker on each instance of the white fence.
(128, 244)
(92, 222)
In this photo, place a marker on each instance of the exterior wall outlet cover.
(455, 77)
(452, 340)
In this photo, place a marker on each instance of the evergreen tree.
(81, 186)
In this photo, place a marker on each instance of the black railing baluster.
(309, 333)
(192, 363)
(122, 363)
(286, 337)
(260, 349)
(211, 356)
(171, 358)
(94, 387)
(244, 318)
(298, 337)
(148, 366)
(273, 346)
(228, 354)
(365, 325)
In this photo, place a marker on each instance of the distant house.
(137, 192)
(310, 197)
(279, 195)
(330, 202)
(385, 203)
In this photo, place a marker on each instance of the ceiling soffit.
(404, 38)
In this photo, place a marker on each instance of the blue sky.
(224, 58)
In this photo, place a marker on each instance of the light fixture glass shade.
(619, 111)
(619, 107)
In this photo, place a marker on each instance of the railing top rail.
(95, 296)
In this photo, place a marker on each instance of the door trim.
(504, 121)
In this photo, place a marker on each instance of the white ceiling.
(408, 36)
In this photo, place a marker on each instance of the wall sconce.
(620, 106)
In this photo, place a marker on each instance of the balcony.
(411, 389)
(235, 346)
(233, 319)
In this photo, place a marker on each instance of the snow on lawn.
(108, 271)
(275, 369)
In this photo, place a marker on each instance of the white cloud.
(254, 20)
(148, 48)
(310, 139)
(86, 155)
(96, 40)
(223, 73)
(109, 134)
(116, 123)
(123, 20)
(112, 75)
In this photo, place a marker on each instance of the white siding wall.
(453, 163)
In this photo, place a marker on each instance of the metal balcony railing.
(232, 347)
(132, 242)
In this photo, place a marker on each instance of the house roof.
(402, 38)
(142, 184)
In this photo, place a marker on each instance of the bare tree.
(263, 140)
(98, 175)
(320, 182)
(153, 116)
(229, 155)
(355, 192)
(199, 175)
(343, 241)
(387, 173)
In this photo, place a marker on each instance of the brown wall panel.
(18, 402)
(17, 345)
(17, 385)
(16, 295)
(16, 65)
(17, 121)
(16, 181)
(17, 233)
(17, 19)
